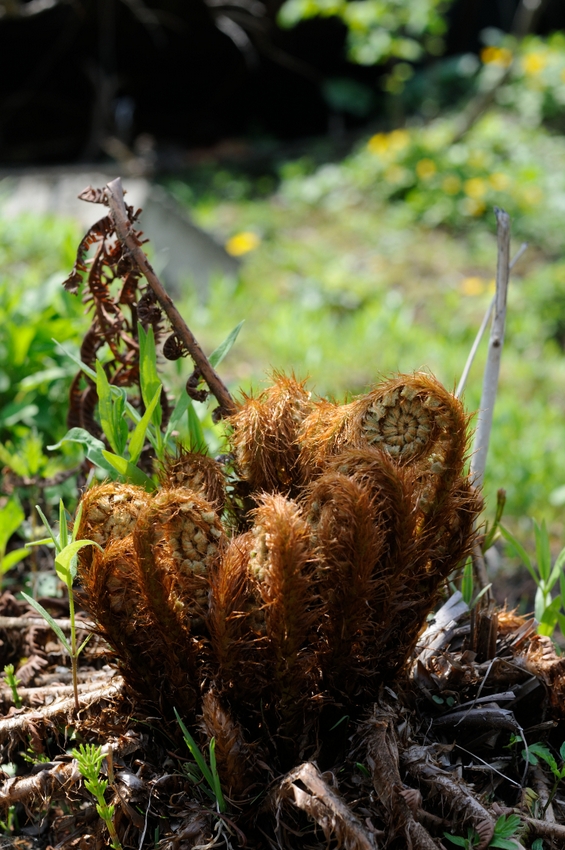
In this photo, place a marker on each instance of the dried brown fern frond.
(350, 537)
(236, 759)
(236, 623)
(264, 431)
(413, 418)
(196, 472)
(114, 598)
(109, 512)
(282, 563)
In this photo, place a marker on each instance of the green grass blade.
(543, 551)
(45, 522)
(220, 352)
(520, 552)
(93, 448)
(216, 779)
(138, 436)
(49, 619)
(195, 751)
(12, 558)
(177, 414)
(129, 471)
(63, 528)
(149, 379)
(196, 438)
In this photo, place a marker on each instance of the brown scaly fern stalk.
(177, 538)
(264, 432)
(282, 565)
(196, 472)
(349, 538)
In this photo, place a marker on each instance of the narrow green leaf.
(111, 409)
(177, 414)
(196, 438)
(45, 522)
(129, 471)
(148, 377)
(76, 522)
(64, 559)
(12, 558)
(216, 779)
(220, 352)
(520, 552)
(467, 583)
(503, 843)
(83, 644)
(195, 751)
(92, 445)
(63, 528)
(543, 551)
(137, 439)
(49, 619)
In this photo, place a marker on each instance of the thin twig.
(115, 197)
(482, 329)
(492, 369)
(38, 622)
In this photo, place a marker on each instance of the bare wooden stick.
(115, 197)
(492, 369)
(482, 329)
(64, 623)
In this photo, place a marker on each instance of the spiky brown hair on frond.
(263, 435)
(413, 418)
(282, 564)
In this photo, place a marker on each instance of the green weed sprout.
(89, 759)
(11, 517)
(66, 568)
(13, 683)
(548, 611)
(113, 408)
(538, 751)
(209, 773)
(505, 827)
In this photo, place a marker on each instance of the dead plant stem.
(492, 368)
(115, 196)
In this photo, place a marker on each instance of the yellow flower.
(472, 206)
(473, 286)
(451, 184)
(242, 243)
(475, 188)
(534, 63)
(499, 181)
(395, 174)
(398, 139)
(378, 144)
(425, 168)
(496, 56)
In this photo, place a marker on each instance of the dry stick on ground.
(115, 197)
(64, 623)
(326, 807)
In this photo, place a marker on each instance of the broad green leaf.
(521, 552)
(503, 843)
(94, 448)
(561, 621)
(137, 439)
(506, 826)
(129, 471)
(549, 617)
(220, 352)
(456, 839)
(12, 558)
(64, 559)
(49, 619)
(562, 751)
(11, 517)
(148, 377)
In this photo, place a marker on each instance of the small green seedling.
(11, 517)
(538, 751)
(66, 568)
(89, 760)
(13, 683)
(505, 827)
(202, 770)
(548, 611)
